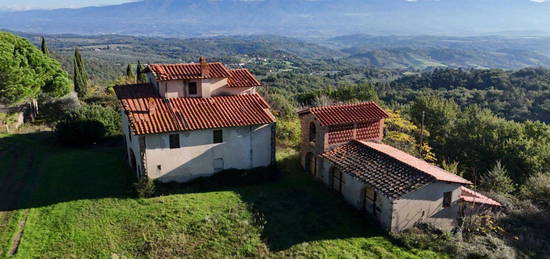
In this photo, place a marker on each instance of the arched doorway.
(312, 132)
(336, 179)
(369, 198)
(309, 163)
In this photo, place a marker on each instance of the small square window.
(447, 198)
(218, 136)
(174, 141)
(192, 88)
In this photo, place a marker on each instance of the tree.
(130, 72)
(439, 116)
(80, 76)
(497, 180)
(26, 72)
(403, 134)
(44, 46)
(139, 73)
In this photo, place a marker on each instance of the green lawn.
(79, 203)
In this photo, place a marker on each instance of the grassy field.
(79, 203)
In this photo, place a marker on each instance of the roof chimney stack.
(205, 69)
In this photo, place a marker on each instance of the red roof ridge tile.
(187, 71)
(347, 113)
(437, 172)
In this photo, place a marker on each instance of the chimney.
(205, 69)
(151, 106)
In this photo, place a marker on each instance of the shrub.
(88, 125)
(53, 110)
(289, 132)
(537, 189)
(79, 132)
(145, 188)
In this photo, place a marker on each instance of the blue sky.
(49, 4)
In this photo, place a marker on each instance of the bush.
(88, 125)
(145, 188)
(537, 189)
(79, 132)
(53, 110)
(289, 132)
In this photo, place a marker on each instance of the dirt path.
(16, 185)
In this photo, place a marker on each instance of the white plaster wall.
(261, 140)
(174, 88)
(151, 79)
(132, 143)
(213, 85)
(429, 199)
(352, 191)
(218, 87)
(243, 148)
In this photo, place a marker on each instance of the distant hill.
(394, 52)
(420, 52)
(307, 18)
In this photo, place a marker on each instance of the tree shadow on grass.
(37, 171)
(292, 207)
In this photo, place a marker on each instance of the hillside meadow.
(79, 202)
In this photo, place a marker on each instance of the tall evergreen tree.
(139, 73)
(44, 46)
(80, 75)
(130, 71)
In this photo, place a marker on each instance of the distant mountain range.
(305, 18)
(400, 52)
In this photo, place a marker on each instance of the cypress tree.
(139, 73)
(44, 46)
(130, 71)
(80, 75)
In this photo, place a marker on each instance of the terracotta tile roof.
(347, 113)
(476, 197)
(164, 72)
(380, 171)
(242, 78)
(150, 114)
(438, 173)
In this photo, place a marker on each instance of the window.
(312, 132)
(192, 88)
(218, 136)
(174, 141)
(447, 196)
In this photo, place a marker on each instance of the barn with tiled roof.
(342, 145)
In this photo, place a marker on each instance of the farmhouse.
(193, 120)
(341, 145)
